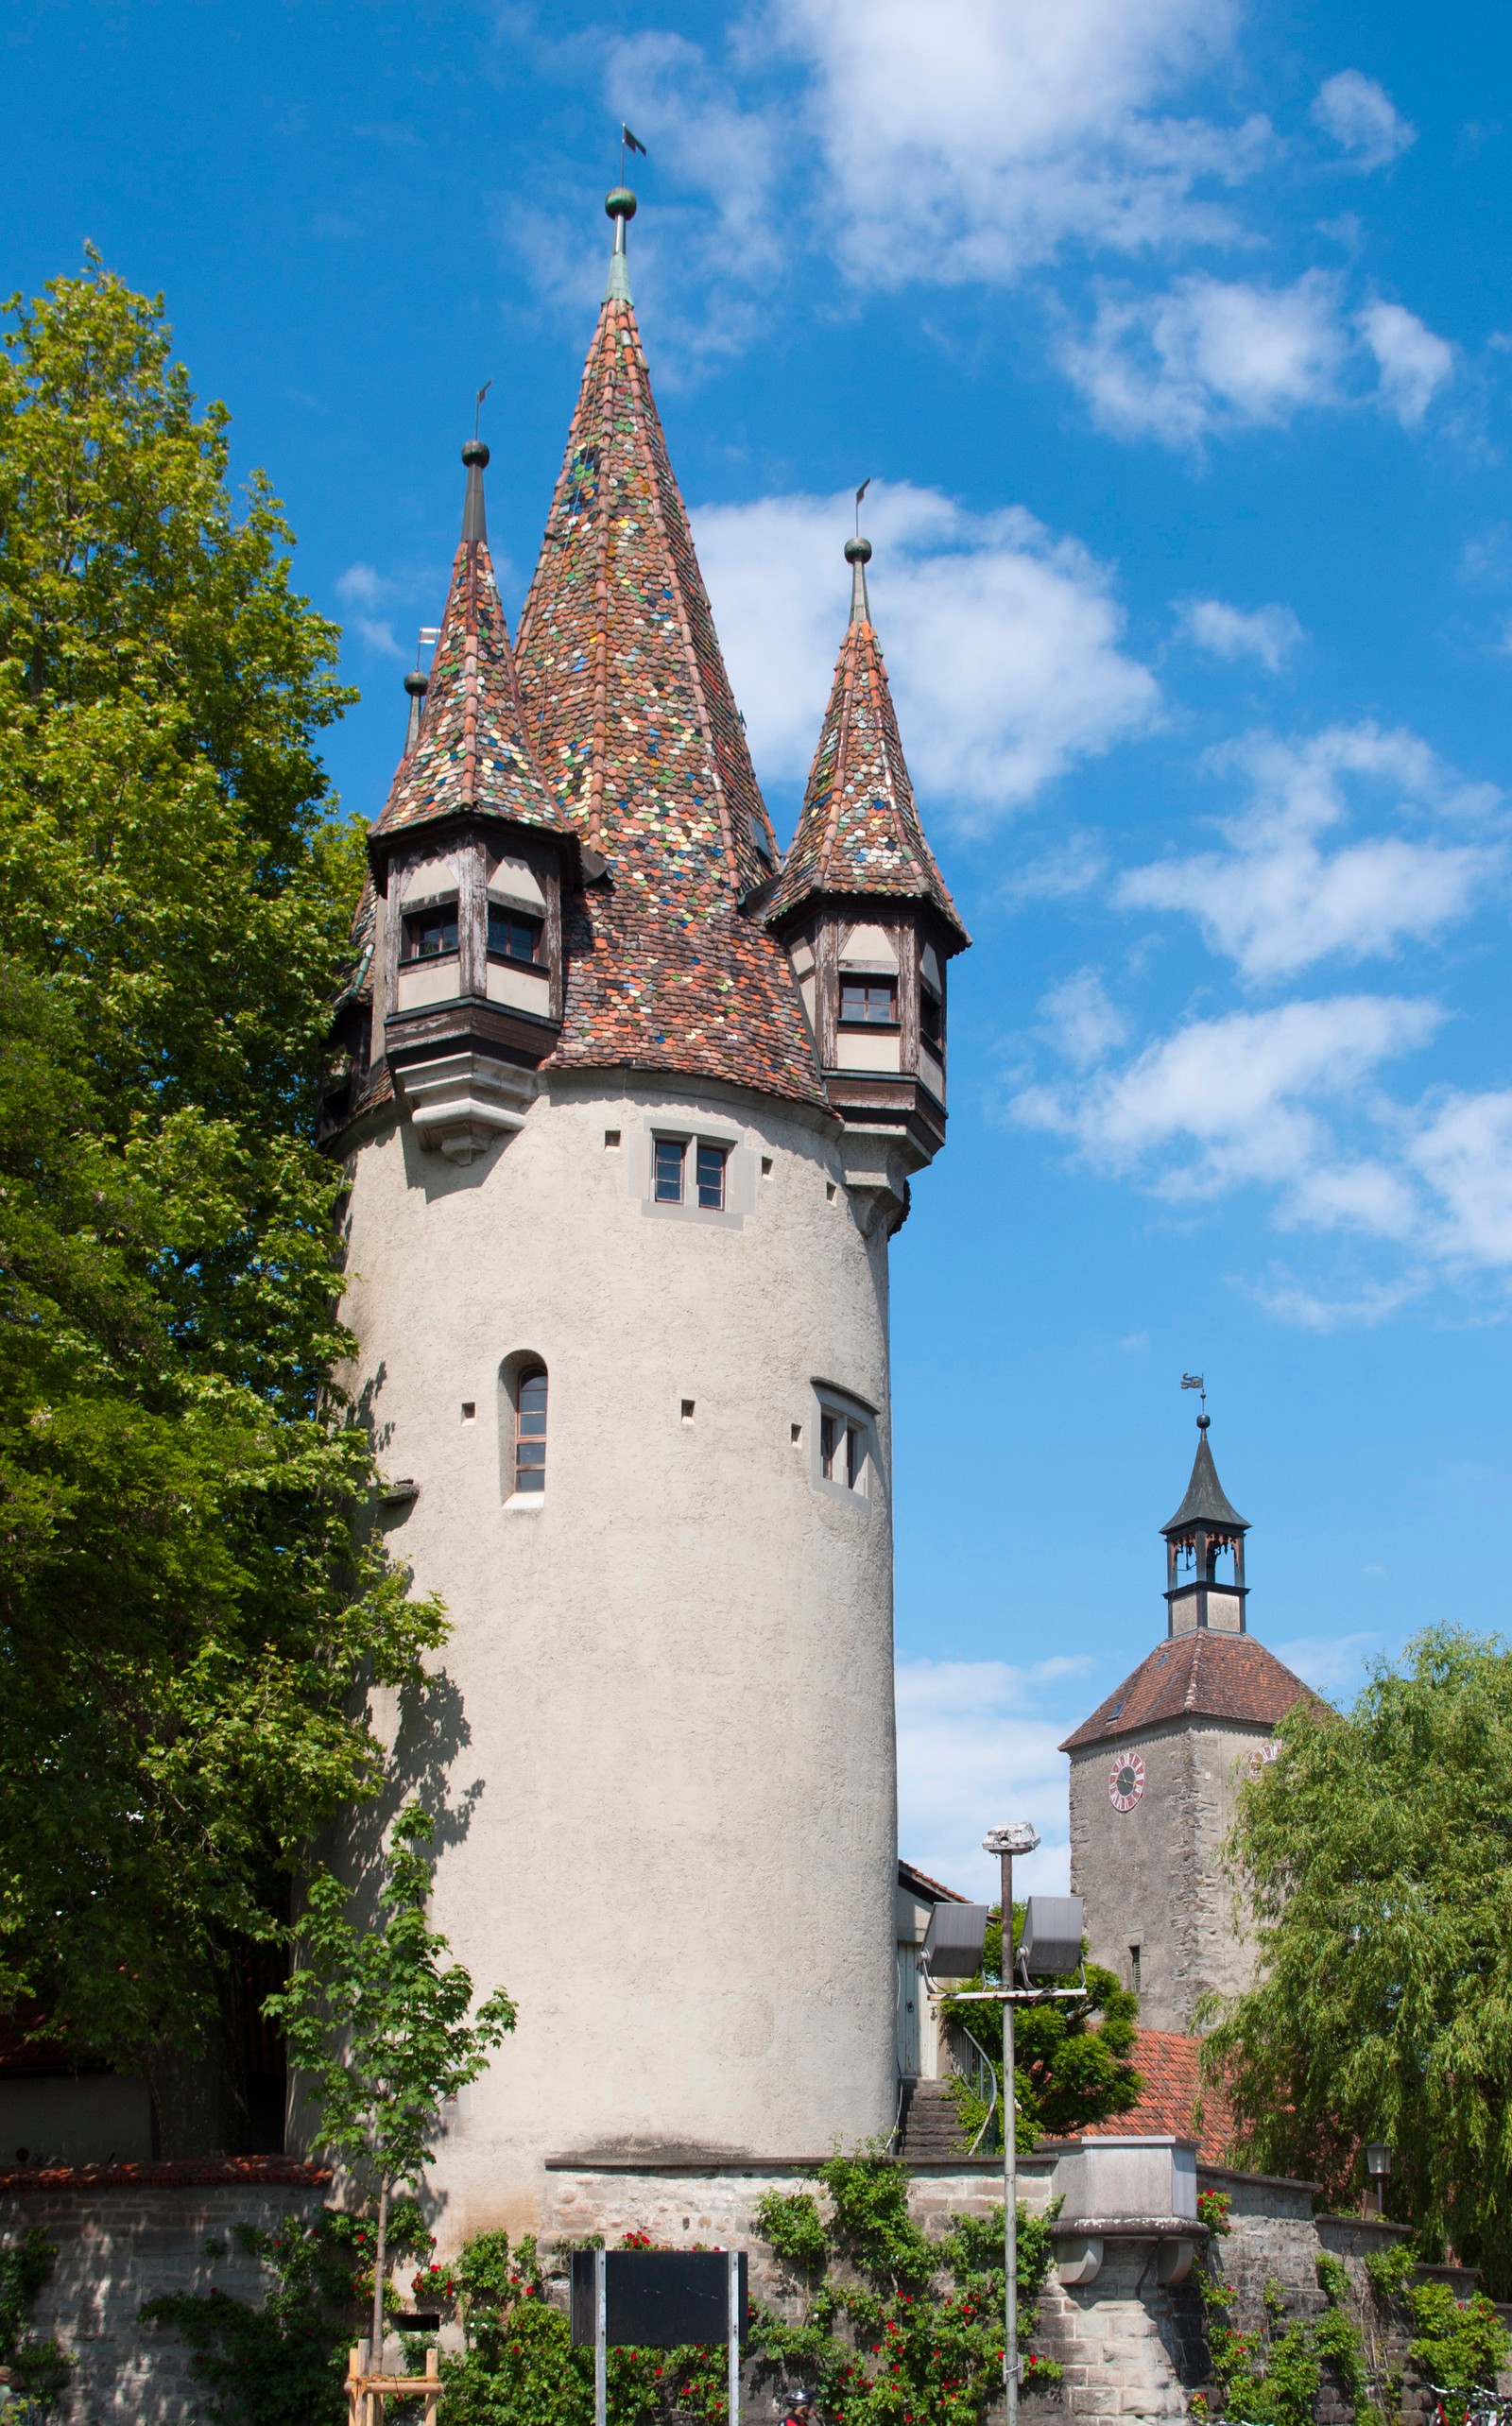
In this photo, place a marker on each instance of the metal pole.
(1010, 2168)
(734, 2337)
(600, 2338)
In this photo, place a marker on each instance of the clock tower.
(1155, 1771)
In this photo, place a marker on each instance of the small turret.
(863, 908)
(1204, 1528)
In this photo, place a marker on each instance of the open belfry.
(1155, 1771)
(630, 1105)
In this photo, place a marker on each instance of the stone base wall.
(124, 2233)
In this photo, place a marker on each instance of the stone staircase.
(928, 2128)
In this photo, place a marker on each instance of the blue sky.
(1177, 338)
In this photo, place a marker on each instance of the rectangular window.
(843, 1450)
(868, 1001)
(855, 1457)
(429, 935)
(829, 1442)
(932, 1020)
(512, 935)
(711, 1160)
(1134, 1969)
(530, 1432)
(671, 1153)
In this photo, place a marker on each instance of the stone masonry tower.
(1155, 1770)
(629, 1112)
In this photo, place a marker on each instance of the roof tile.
(1203, 1675)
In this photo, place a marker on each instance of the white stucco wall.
(666, 1739)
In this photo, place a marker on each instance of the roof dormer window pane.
(513, 936)
(429, 935)
(868, 1001)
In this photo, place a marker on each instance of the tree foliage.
(1073, 2061)
(187, 1596)
(380, 2026)
(1375, 1855)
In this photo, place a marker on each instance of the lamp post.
(1004, 1843)
(1378, 2166)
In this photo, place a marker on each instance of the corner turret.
(863, 908)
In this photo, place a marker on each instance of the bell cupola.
(1205, 1530)
(863, 909)
(469, 859)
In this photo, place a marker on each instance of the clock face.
(1126, 1781)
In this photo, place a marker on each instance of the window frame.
(521, 919)
(524, 1466)
(846, 1460)
(670, 1146)
(866, 982)
(929, 1000)
(709, 1152)
(445, 912)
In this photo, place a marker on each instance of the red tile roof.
(471, 754)
(174, 2173)
(859, 830)
(1203, 1675)
(1175, 2097)
(910, 1876)
(630, 712)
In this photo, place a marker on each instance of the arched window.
(530, 1428)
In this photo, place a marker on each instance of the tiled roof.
(471, 754)
(908, 1876)
(175, 2172)
(629, 712)
(859, 830)
(1175, 2097)
(1203, 1675)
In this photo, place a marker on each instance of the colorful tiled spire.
(629, 709)
(859, 832)
(467, 753)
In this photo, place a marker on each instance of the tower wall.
(1153, 1876)
(664, 1742)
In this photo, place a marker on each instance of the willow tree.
(1375, 1852)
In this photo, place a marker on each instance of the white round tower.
(630, 1122)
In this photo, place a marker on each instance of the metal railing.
(973, 2064)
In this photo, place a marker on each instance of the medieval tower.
(630, 1113)
(1155, 1771)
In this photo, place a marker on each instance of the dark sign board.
(657, 2298)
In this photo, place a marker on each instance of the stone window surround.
(512, 1370)
(833, 1398)
(740, 1172)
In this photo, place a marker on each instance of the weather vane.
(628, 143)
(429, 635)
(860, 493)
(478, 408)
(1195, 1382)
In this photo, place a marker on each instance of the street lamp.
(1378, 2166)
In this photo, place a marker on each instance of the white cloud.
(364, 588)
(1243, 1098)
(1330, 1664)
(1269, 634)
(1462, 1146)
(1083, 1021)
(1306, 1309)
(976, 1747)
(1003, 643)
(1413, 363)
(1211, 355)
(1070, 868)
(1276, 900)
(968, 140)
(1362, 118)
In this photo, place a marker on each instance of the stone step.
(929, 2125)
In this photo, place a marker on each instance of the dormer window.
(932, 1020)
(868, 1001)
(431, 934)
(513, 935)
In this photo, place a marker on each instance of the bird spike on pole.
(478, 408)
(860, 493)
(628, 143)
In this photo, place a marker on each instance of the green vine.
(896, 2329)
(39, 2371)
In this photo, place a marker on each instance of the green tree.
(1073, 2061)
(381, 2026)
(188, 1596)
(1375, 1853)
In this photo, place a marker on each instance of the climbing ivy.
(895, 2329)
(39, 2370)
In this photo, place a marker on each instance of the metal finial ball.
(475, 451)
(858, 551)
(620, 204)
(417, 683)
(1203, 1421)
